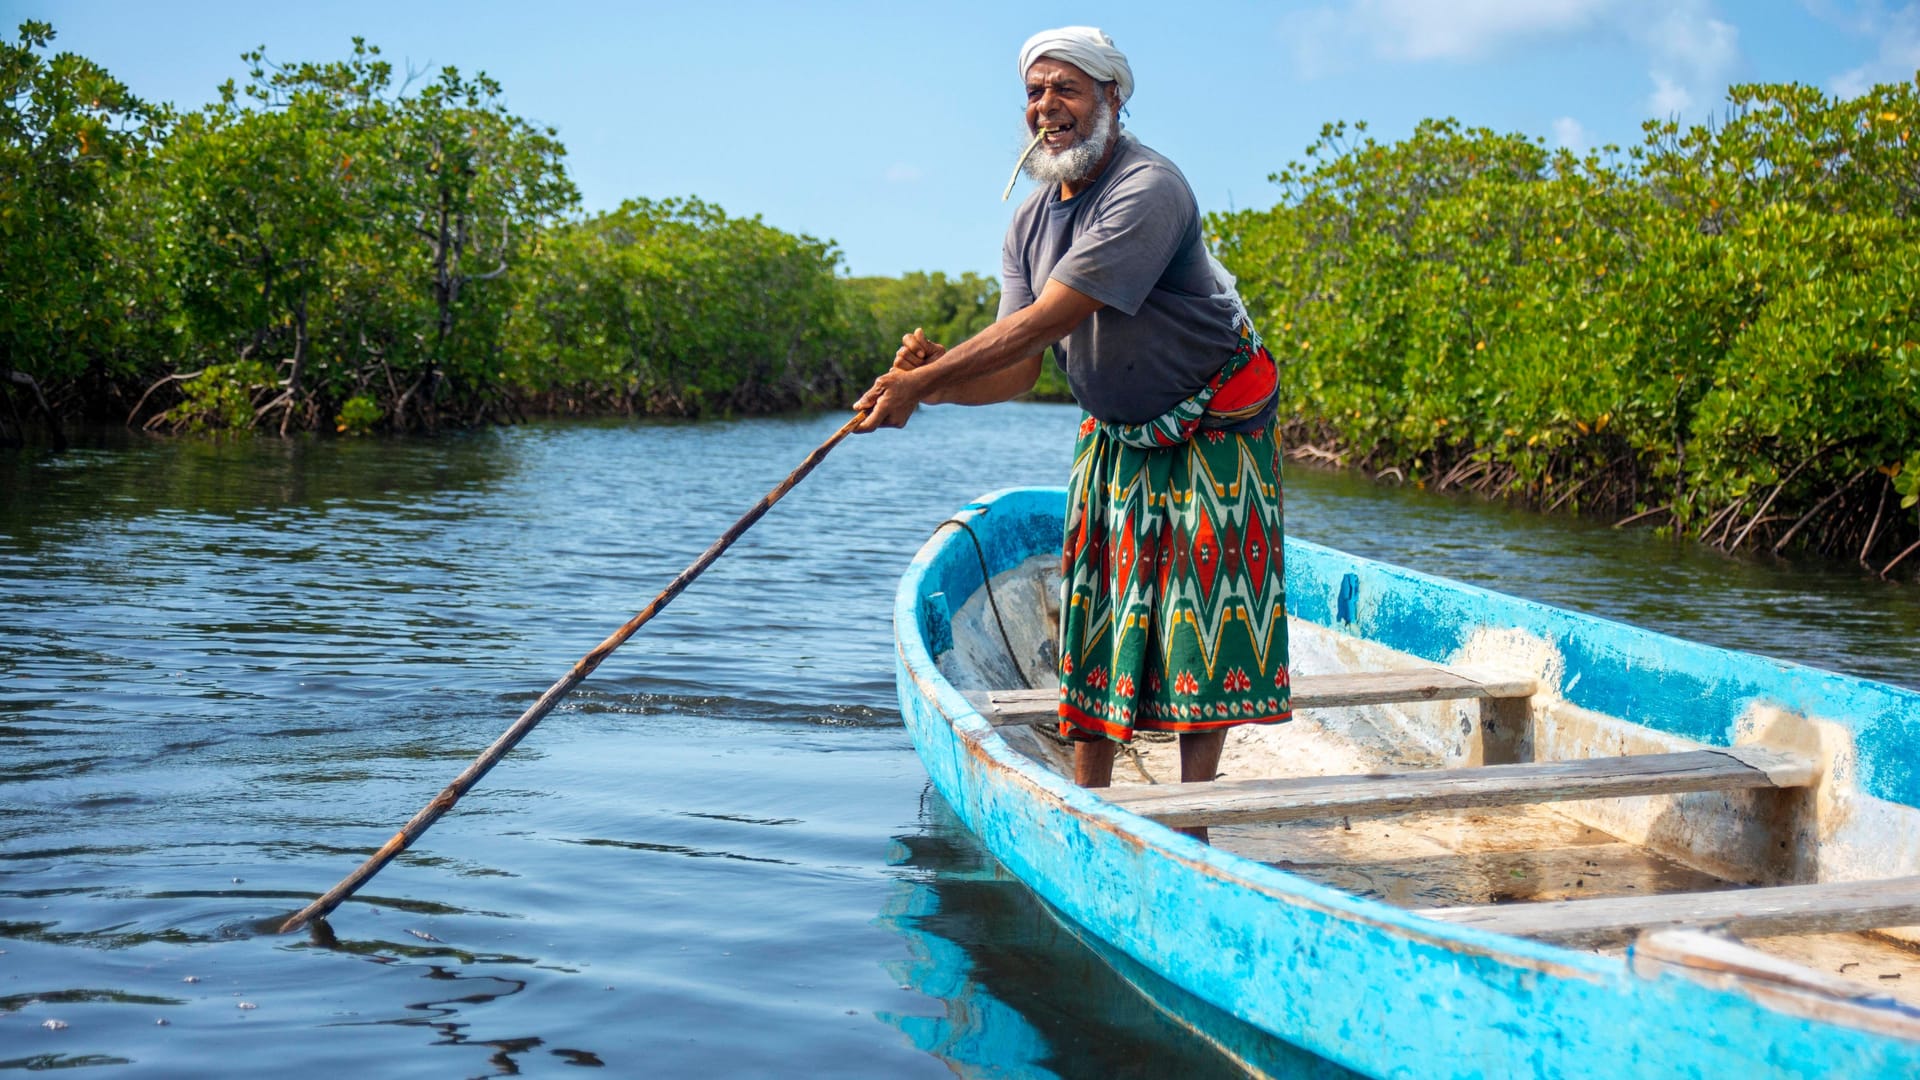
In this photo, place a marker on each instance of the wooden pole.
(444, 801)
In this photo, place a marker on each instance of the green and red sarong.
(1173, 614)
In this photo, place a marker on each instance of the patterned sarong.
(1174, 602)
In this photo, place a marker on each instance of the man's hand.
(891, 399)
(916, 350)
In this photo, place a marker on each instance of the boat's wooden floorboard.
(1413, 862)
(1230, 801)
(1427, 858)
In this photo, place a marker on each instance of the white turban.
(1085, 47)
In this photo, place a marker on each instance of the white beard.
(1076, 162)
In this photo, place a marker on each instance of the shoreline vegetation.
(331, 248)
(1715, 333)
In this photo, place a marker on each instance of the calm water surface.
(227, 672)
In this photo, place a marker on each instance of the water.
(228, 671)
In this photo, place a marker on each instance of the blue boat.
(1499, 838)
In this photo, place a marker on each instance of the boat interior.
(1474, 794)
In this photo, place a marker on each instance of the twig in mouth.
(1018, 165)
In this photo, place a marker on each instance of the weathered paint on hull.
(1357, 981)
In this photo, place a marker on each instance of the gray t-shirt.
(1131, 241)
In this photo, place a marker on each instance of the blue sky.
(891, 127)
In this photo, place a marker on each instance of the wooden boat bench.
(1309, 692)
(1499, 734)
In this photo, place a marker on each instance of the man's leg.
(1200, 755)
(1199, 764)
(1093, 762)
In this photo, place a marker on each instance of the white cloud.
(1692, 55)
(1571, 134)
(1690, 52)
(1669, 98)
(902, 173)
(1898, 33)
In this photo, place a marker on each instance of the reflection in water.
(122, 476)
(42, 1062)
(1023, 991)
(442, 1014)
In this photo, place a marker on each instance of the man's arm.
(1009, 382)
(977, 366)
(1003, 385)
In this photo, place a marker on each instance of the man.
(1173, 614)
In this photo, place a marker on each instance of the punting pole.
(444, 801)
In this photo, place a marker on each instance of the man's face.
(1065, 100)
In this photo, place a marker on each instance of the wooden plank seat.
(1309, 692)
(1235, 802)
(1828, 907)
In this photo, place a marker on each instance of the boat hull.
(1361, 982)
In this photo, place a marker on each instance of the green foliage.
(1052, 384)
(949, 310)
(358, 415)
(1906, 480)
(254, 202)
(70, 134)
(672, 306)
(395, 258)
(1722, 320)
(221, 397)
(474, 189)
(359, 238)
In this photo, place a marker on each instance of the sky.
(891, 128)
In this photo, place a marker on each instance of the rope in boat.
(986, 579)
